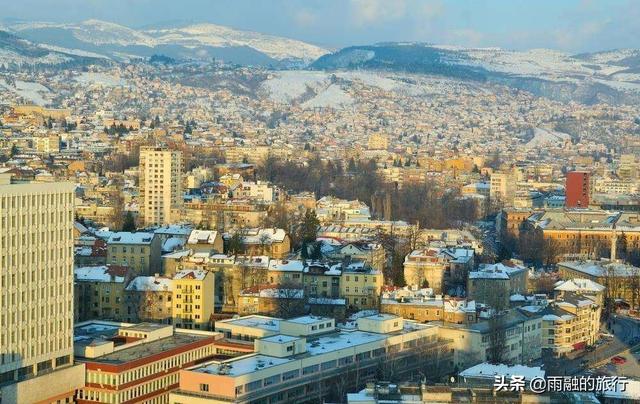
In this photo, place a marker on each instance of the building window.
(310, 369)
(204, 387)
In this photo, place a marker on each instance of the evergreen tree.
(129, 222)
(236, 244)
(309, 227)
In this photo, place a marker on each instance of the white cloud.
(373, 11)
(304, 18)
(431, 9)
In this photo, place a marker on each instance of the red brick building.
(577, 189)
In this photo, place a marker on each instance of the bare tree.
(634, 287)
(611, 285)
(387, 364)
(550, 251)
(236, 245)
(264, 241)
(117, 216)
(278, 217)
(289, 299)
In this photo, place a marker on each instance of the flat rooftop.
(280, 338)
(262, 322)
(147, 349)
(93, 330)
(95, 333)
(318, 346)
(308, 320)
(243, 366)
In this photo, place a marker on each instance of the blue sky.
(569, 25)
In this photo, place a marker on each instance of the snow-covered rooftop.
(150, 284)
(125, 237)
(197, 274)
(202, 237)
(101, 273)
(489, 371)
(601, 268)
(579, 285)
(286, 265)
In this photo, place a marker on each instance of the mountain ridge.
(607, 76)
(194, 41)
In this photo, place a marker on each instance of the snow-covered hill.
(611, 76)
(194, 41)
(215, 35)
(16, 53)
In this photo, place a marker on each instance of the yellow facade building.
(360, 286)
(193, 299)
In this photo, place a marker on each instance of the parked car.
(618, 360)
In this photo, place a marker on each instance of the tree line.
(426, 203)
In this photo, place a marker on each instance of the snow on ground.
(31, 92)
(103, 79)
(621, 85)
(613, 56)
(75, 52)
(8, 58)
(332, 97)
(372, 79)
(534, 62)
(543, 137)
(288, 85)
(217, 35)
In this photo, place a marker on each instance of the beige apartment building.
(36, 292)
(148, 298)
(139, 251)
(97, 213)
(205, 241)
(160, 184)
(99, 292)
(503, 188)
(434, 267)
(47, 144)
(493, 284)
(471, 342)
(570, 323)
